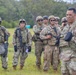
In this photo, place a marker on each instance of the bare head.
(71, 15)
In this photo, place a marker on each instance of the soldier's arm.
(74, 35)
(58, 31)
(29, 38)
(64, 31)
(35, 29)
(5, 30)
(14, 38)
(43, 34)
(8, 33)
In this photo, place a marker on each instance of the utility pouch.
(68, 36)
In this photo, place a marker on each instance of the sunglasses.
(39, 20)
(52, 20)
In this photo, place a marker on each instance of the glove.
(15, 48)
(29, 48)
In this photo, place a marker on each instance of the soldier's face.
(70, 16)
(22, 25)
(56, 22)
(45, 21)
(52, 21)
(40, 21)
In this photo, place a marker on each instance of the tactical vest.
(21, 36)
(24, 36)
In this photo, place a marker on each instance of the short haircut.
(73, 9)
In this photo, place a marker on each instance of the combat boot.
(65, 74)
(4, 67)
(55, 70)
(14, 67)
(45, 70)
(21, 67)
(38, 66)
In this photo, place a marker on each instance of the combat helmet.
(39, 17)
(22, 21)
(64, 19)
(51, 17)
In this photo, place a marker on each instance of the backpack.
(2, 49)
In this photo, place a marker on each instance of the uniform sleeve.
(64, 31)
(35, 29)
(29, 38)
(74, 35)
(58, 30)
(14, 38)
(5, 30)
(8, 33)
(43, 33)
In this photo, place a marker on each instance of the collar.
(52, 26)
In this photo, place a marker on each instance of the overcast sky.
(64, 0)
(70, 0)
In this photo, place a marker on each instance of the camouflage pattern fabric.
(51, 52)
(68, 50)
(21, 51)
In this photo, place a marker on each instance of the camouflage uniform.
(68, 50)
(3, 33)
(57, 21)
(50, 52)
(64, 23)
(21, 51)
(38, 44)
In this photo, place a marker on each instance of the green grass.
(29, 68)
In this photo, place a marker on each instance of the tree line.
(12, 10)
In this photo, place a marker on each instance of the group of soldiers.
(56, 42)
(22, 40)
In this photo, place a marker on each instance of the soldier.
(38, 42)
(45, 20)
(57, 21)
(22, 42)
(3, 41)
(64, 22)
(68, 44)
(49, 36)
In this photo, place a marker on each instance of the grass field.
(29, 68)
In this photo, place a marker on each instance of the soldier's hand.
(14, 44)
(63, 24)
(48, 37)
